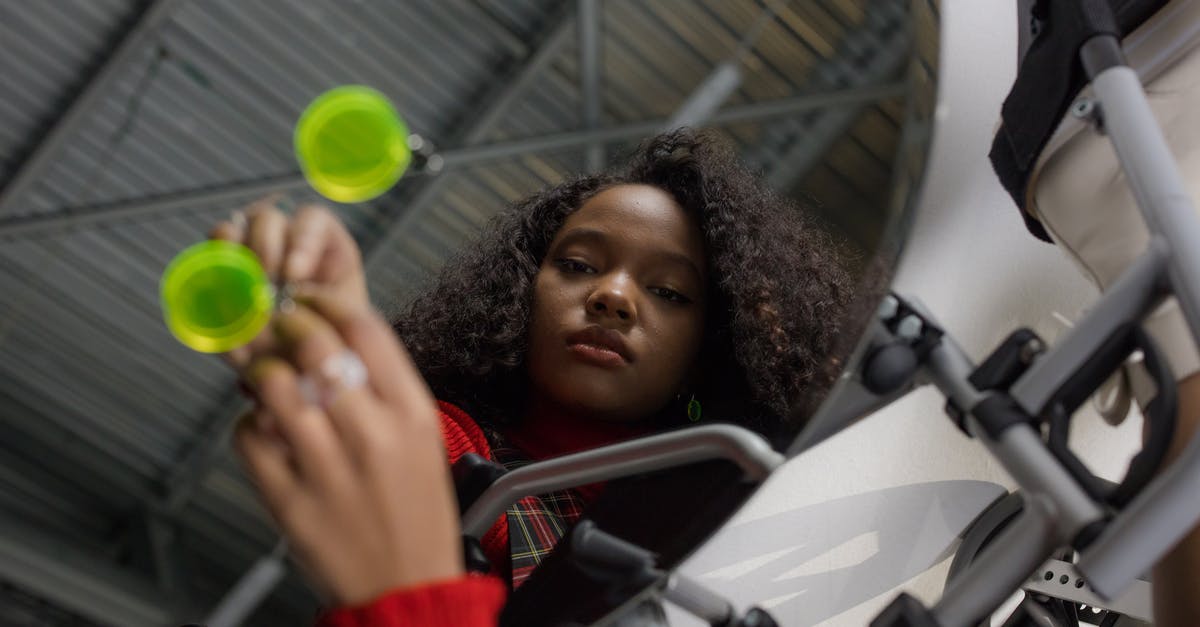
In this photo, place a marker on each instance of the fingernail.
(238, 219)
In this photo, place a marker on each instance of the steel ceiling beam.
(591, 18)
(93, 90)
(88, 586)
(148, 207)
(187, 475)
(758, 111)
(473, 155)
(726, 77)
(884, 45)
(453, 159)
(495, 106)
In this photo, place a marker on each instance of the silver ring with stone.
(339, 372)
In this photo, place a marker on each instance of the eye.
(671, 295)
(574, 266)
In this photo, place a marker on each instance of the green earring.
(693, 409)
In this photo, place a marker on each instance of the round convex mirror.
(129, 136)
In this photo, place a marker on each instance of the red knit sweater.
(473, 600)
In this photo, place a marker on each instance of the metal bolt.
(909, 327)
(1089, 110)
(1030, 350)
(1083, 108)
(888, 307)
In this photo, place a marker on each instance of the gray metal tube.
(1020, 449)
(591, 20)
(1001, 568)
(1023, 454)
(1147, 528)
(1168, 507)
(949, 368)
(1155, 180)
(1134, 294)
(698, 600)
(250, 590)
(707, 97)
(695, 444)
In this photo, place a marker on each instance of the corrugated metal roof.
(99, 405)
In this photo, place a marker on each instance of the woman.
(601, 309)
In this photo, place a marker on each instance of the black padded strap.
(1049, 78)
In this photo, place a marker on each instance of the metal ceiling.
(130, 128)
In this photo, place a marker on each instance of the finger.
(228, 231)
(306, 339)
(262, 344)
(317, 449)
(312, 233)
(390, 370)
(238, 358)
(319, 354)
(268, 465)
(266, 235)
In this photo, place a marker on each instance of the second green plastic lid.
(351, 144)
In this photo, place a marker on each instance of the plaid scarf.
(535, 523)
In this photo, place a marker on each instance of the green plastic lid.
(216, 296)
(351, 144)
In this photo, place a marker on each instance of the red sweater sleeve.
(470, 601)
(462, 435)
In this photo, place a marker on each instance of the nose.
(612, 298)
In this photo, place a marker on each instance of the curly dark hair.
(778, 286)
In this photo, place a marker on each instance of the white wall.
(837, 532)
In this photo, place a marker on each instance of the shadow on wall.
(844, 551)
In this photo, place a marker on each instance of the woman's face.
(618, 306)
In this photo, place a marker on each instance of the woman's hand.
(358, 481)
(310, 247)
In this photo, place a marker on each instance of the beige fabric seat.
(1080, 195)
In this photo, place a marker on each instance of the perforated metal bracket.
(1060, 580)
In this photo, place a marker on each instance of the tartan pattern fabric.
(535, 523)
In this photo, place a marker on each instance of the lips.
(605, 339)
